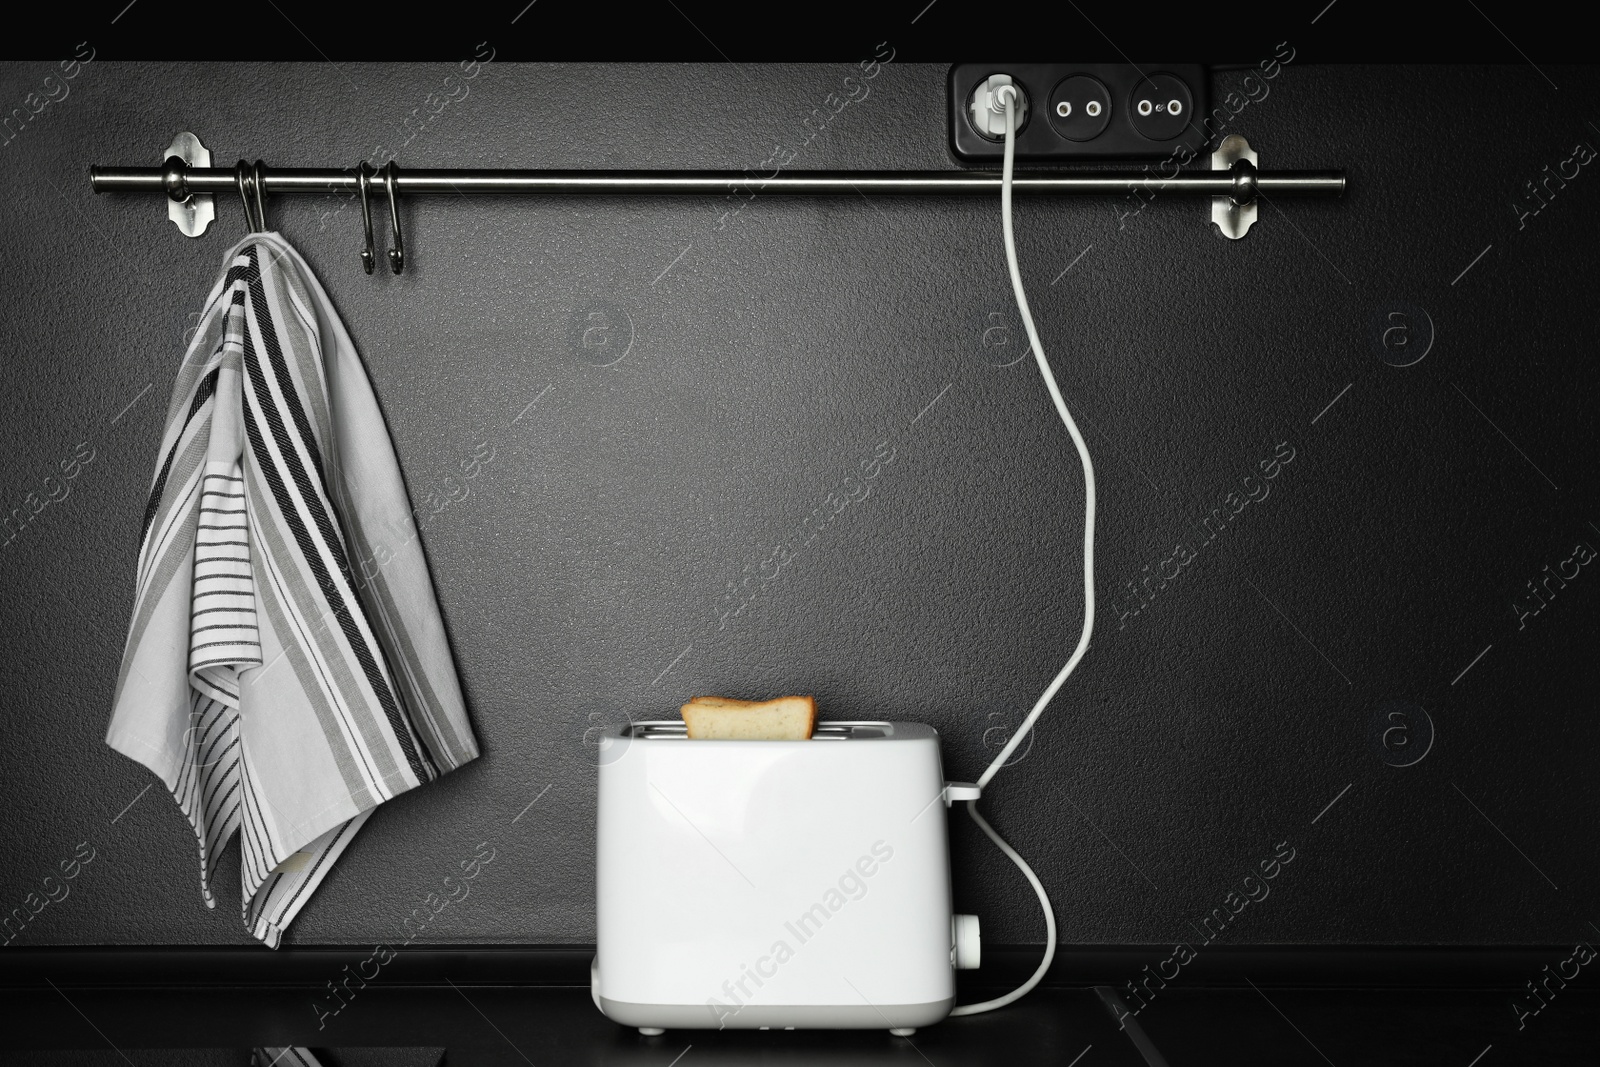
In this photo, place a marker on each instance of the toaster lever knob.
(958, 791)
(966, 950)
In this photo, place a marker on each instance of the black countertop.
(458, 1007)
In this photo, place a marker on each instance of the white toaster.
(777, 884)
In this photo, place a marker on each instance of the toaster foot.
(902, 1031)
(651, 1031)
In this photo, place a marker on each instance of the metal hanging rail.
(190, 184)
(179, 181)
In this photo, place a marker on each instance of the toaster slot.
(668, 730)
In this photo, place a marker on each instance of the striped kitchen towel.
(286, 669)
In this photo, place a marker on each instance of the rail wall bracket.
(1233, 215)
(191, 212)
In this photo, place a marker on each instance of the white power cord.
(1007, 95)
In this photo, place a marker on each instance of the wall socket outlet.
(1086, 110)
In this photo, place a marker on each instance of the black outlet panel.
(1089, 110)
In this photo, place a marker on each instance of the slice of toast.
(713, 718)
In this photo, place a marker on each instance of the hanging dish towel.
(286, 669)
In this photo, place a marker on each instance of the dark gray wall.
(585, 576)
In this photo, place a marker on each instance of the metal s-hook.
(246, 178)
(397, 254)
(363, 182)
(258, 173)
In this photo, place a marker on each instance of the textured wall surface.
(672, 388)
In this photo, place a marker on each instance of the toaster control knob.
(966, 950)
(958, 791)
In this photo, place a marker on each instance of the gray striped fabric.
(284, 1056)
(286, 669)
